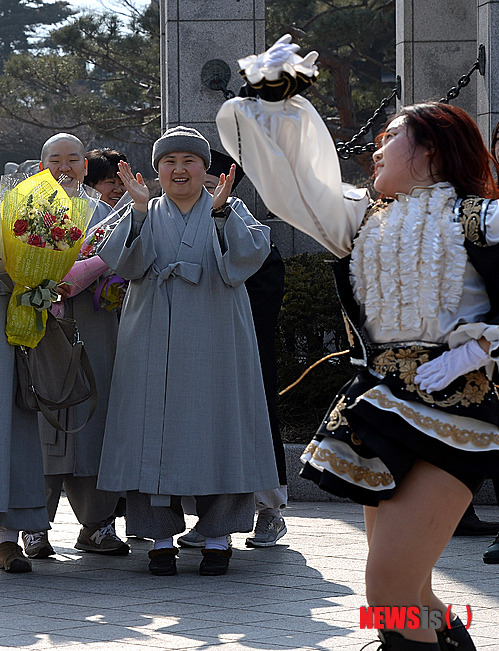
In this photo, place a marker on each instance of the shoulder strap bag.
(56, 374)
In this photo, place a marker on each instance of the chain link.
(479, 65)
(347, 149)
(453, 92)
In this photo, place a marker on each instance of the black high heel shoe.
(455, 638)
(392, 641)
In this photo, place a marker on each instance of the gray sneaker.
(36, 544)
(269, 529)
(194, 539)
(101, 540)
(191, 539)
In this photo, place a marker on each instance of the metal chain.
(347, 149)
(479, 64)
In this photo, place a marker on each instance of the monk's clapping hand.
(222, 191)
(135, 186)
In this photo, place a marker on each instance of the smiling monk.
(187, 412)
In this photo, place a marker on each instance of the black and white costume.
(415, 278)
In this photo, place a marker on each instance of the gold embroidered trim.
(443, 430)
(469, 218)
(405, 362)
(348, 330)
(341, 466)
(335, 417)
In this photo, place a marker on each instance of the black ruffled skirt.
(381, 422)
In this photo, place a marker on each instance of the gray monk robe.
(22, 493)
(187, 412)
(71, 459)
(79, 454)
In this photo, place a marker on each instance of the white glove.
(280, 52)
(441, 371)
(278, 58)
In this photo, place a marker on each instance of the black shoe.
(392, 641)
(163, 561)
(471, 525)
(491, 554)
(455, 638)
(215, 562)
(12, 558)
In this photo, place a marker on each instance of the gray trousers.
(91, 506)
(34, 519)
(219, 515)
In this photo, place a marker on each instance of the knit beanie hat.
(181, 139)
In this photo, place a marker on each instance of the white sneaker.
(269, 529)
(191, 539)
(194, 539)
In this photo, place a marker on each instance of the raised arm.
(135, 187)
(288, 154)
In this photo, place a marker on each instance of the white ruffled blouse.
(409, 271)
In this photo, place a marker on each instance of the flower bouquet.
(109, 292)
(42, 229)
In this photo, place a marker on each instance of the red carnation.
(20, 226)
(49, 219)
(85, 253)
(74, 233)
(36, 240)
(57, 234)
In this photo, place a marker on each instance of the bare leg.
(407, 535)
(370, 513)
(428, 597)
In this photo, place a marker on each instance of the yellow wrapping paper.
(29, 265)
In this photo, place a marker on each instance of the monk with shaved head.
(72, 460)
(64, 155)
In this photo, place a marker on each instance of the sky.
(100, 5)
(96, 5)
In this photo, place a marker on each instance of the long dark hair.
(495, 138)
(458, 153)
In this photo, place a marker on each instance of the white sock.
(8, 535)
(217, 543)
(164, 543)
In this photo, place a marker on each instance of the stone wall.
(195, 32)
(436, 43)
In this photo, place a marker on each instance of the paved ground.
(301, 595)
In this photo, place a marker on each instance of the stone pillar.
(488, 85)
(436, 44)
(194, 32)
